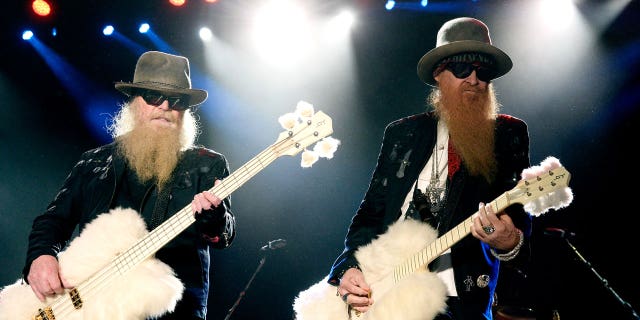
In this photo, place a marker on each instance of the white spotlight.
(144, 28)
(559, 14)
(281, 32)
(205, 34)
(390, 4)
(27, 35)
(108, 30)
(340, 24)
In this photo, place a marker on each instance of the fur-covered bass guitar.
(395, 263)
(111, 265)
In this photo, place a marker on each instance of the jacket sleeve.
(51, 231)
(216, 226)
(514, 158)
(368, 221)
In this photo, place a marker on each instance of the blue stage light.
(424, 3)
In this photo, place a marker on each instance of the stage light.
(424, 3)
(41, 8)
(27, 35)
(340, 24)
(177, 3)
(210, 1)
(54, 31)
(205, 34)
(390, 4)
(144, 28)
(108, 30)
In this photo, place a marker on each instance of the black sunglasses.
(156, 98)
(462, 70)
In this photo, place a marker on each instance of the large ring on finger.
(344, 297)
(488, 229)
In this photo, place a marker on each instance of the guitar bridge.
(45, 314)
(75, 298)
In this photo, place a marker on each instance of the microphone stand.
(243, 292)
(603, 280)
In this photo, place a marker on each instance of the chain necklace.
(436, 191)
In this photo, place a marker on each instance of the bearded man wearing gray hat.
(439, 167)
(123, 190)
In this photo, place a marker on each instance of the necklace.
(436, 192)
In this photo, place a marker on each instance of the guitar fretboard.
(425, 256)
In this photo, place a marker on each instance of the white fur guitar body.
(394, 264)
(150, 289)
(421, 295)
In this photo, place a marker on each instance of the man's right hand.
(44, 277)
(356, 289)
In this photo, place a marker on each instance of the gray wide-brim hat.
(165, 73)
(462, 35)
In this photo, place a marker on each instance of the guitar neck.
(425, 256)
(177, 223)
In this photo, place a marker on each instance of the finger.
(358, 301)
(477, 224)
(481, 214)
(195, 206)
(212, 198)
(38, 294)
(65, 283)
(362, 309)
(55, 285)
(358, 286)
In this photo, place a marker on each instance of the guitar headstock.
(543, 187)
(304, 128)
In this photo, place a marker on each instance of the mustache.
(164, 115)
(476, 89)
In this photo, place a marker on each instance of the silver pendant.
(434, 194)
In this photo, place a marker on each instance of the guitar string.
(440, 245)
(133, 252)
(98, 281)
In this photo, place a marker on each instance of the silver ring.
(344, 297)
(488, 229)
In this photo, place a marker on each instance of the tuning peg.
(304, 109)
(326, 147)
(308, 158)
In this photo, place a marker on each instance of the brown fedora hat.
(462, 35)
(163, 72)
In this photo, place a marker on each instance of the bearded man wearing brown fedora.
(439, 167)
(118, 193)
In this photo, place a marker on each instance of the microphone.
(558, 233)
(274, 244)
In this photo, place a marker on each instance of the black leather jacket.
(90, 190)
(412, 139)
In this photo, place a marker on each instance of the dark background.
(580, 102)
